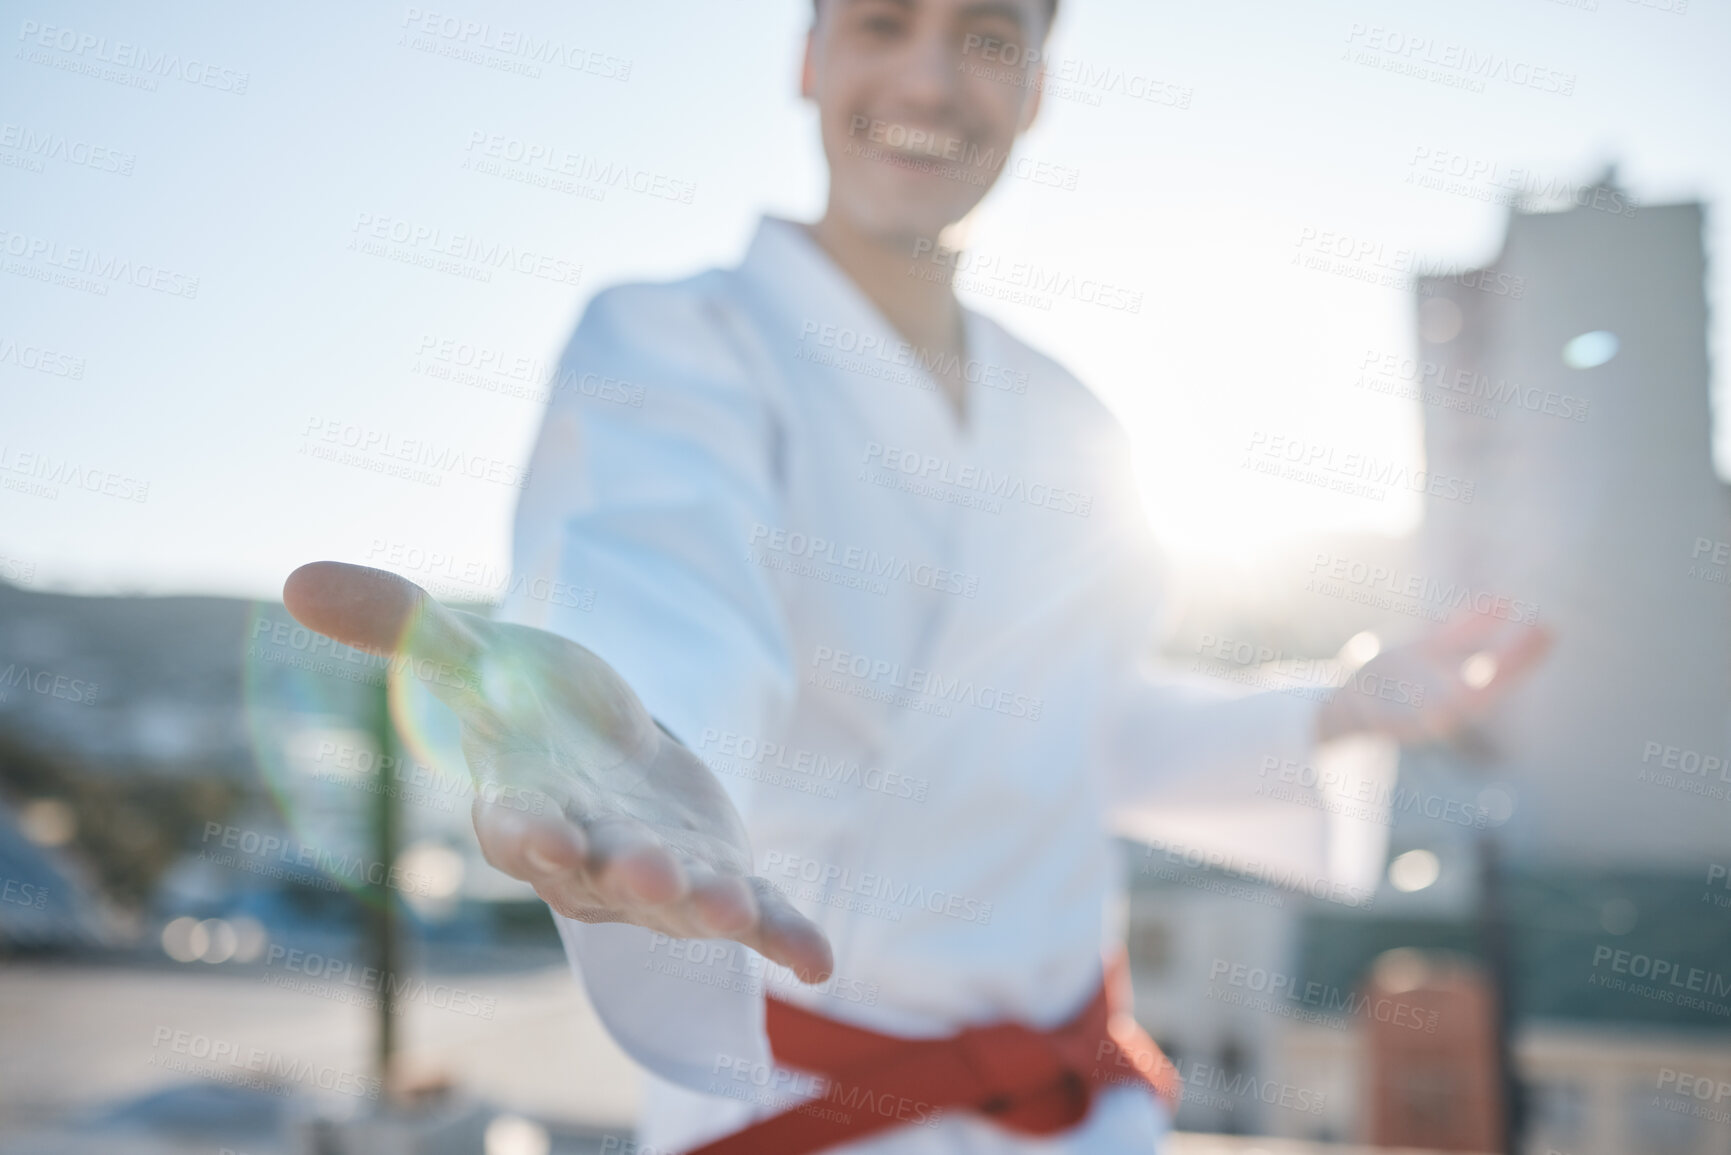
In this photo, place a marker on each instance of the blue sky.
(348, 130)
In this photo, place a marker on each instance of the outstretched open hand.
(637, 829)
(1431, 689)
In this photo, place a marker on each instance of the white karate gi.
(748, 526)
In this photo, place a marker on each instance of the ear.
(807, 72)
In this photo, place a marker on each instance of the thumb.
(373, 610)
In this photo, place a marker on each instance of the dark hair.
(1051, 10)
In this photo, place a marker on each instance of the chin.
(904, 207)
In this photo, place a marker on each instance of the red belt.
(1035, 1082)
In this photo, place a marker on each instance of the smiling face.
(919, 102)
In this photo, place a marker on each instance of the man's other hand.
(1430, 690)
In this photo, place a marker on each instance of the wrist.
(1334, 718)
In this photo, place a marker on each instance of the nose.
(927, 74)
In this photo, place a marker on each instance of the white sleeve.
(1212, 774)
(1172, 740)
(656, 457)
(1235, 781)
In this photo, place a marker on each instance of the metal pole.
(1494, 934)
(381, 908)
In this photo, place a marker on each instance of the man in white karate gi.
(860, 683)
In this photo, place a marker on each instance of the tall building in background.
(1579, 362)
(1567, 382)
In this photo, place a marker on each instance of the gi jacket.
(910, 647)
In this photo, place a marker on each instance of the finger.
(786, 936)
(632, 865)
(371, 609)
(529, 848)
(1462, 635)
(1516, 657)
(724, 905)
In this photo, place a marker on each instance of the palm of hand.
(635, 828)
(548, 715)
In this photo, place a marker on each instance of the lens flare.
(314, 711)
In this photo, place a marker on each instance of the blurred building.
(1567, 382)
(1595, 494)
(1594, 489)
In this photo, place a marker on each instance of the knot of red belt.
(1032, 1081)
